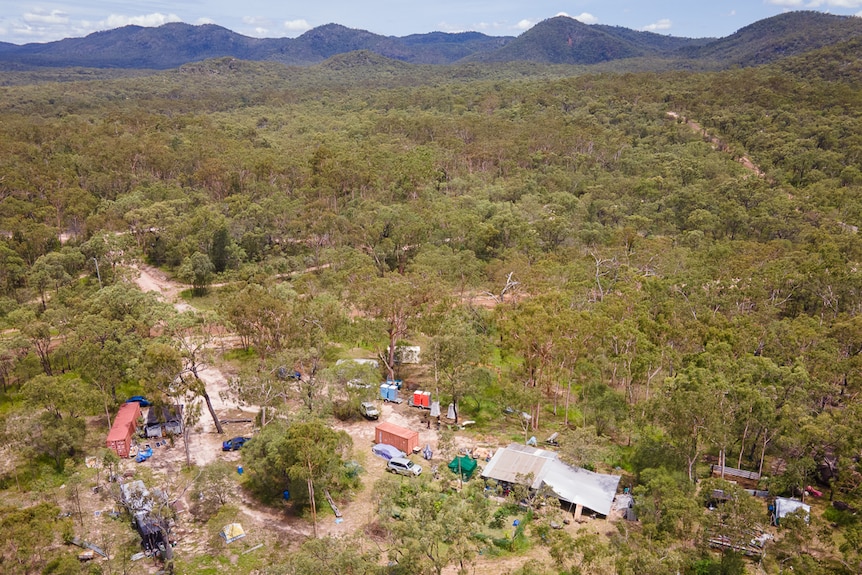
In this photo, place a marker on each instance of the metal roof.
(784, 507)
(574, 485)
(579, 486)
(733, 472)
(510, 462)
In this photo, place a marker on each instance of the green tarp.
(466, 464)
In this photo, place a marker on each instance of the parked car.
(403, 466)
(140, 400)
(234, 444)
(369, 410)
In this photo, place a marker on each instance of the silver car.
(403, 466)
(369, 410)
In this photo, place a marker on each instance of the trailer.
(420, 399)
(389, 392)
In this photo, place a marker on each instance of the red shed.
(395, 435)
(125, 424)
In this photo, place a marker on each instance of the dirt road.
(719, 145)
(152, 279)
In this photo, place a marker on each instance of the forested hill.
(558, 40)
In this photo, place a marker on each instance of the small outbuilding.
(125, 424)
(743, 478)
(783, 507)
(400, 437)
(164, 420)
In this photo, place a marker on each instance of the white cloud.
(296, 25)
(146, 20)
(525, 24)
(837, 3)
(663, 24)
(586, 18)
(817, 3)
(43, 17)
(204, 20)
(255, 21)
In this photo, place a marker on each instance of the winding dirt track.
(719, 145)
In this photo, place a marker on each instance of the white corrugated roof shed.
(595, 491)
(784, 507)
(575, 485)
(515, 460)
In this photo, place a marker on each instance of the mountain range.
(558, 40)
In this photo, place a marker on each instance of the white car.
(369, 410)
(403, 466)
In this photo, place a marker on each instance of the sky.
(26, 21)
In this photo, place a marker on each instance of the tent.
(231, 532)
(466, 464)
(387, 451)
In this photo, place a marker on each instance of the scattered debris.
(332, 503)
(231, 532)
(87, 545)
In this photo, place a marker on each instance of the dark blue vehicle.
(234, 444)
(140, 400)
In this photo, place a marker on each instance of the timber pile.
(332, 503)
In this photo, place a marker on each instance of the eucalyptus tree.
(457, 354)
(394, 301)
(305, 451)
(192, 335)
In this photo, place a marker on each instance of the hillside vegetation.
(586, 248)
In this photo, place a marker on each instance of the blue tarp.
(387, 451)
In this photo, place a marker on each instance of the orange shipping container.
(125, 424)
(397, 436)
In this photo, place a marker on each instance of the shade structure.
(464, 465)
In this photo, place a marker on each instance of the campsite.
(612, 311)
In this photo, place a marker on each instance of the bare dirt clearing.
(270, 525)
(151, 279)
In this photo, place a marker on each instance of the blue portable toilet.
(384, 391)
